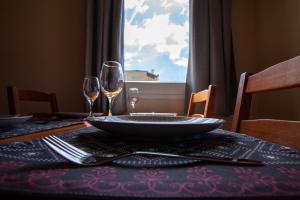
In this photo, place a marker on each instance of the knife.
(223, 160)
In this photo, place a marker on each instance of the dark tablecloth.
(31, 169)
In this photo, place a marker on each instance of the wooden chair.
(204, 96)
(280, 76)
(15, 96)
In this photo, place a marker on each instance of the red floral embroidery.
(10, 165)
(46, 179)
(291, 172)
(151, 175)
(101, 179)
(254, 181)
(7, 175)
(205, 181)
(201, 180)
(151, 181)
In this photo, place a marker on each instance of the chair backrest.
(15, 96)
(280, 76)
(205, 96)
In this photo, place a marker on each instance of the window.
(156, 40)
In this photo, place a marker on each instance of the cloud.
(170, 40)
(155, 29)
(173, 3)
(138, 7)
(159, 32)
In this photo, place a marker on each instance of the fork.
(81, 157)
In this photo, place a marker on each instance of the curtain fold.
(105, 41)
(211, 53)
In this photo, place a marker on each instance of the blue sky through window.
(156, 37)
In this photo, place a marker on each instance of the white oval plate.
(157, 126)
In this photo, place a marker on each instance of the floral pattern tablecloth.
(31, 169)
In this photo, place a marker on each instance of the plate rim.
(8, 117)
(191, 121)
(9, 121)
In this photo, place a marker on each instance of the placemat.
(218, 143)
(34, 126)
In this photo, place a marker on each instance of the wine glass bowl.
(111, 81)
(133, 97)
(91, 90)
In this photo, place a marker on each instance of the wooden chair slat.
(15, 96)
(28, 95)
(200, 96)
(283, 75)
(277, 131)
(204, 96)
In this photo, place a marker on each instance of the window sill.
(159, 96)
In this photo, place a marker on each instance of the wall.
(244, 35)
(266, 32)
(279, 31)
(42, 48)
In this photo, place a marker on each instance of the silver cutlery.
(81, 157)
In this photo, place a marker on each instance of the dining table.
(30, 169)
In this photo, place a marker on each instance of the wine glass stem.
(91, 108)
(109, 106)
(132, 107)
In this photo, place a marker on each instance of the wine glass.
(91, 90)
(133, 97)
(111, 81)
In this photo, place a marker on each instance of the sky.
(156, 37)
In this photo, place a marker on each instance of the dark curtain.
(104, 41)
(211, 55)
